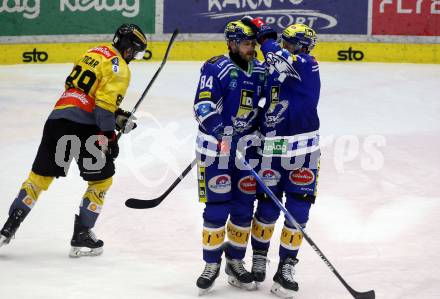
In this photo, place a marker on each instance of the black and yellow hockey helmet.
(237, 31)
(130, 36)
(300, 35)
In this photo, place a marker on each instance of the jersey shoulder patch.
(214, 59)
(104, 51)
(217, 65)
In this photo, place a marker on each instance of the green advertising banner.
(50, 17)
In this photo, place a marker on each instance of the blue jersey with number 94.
(228, 96)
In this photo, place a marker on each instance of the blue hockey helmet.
(301, 36)
(237, 31)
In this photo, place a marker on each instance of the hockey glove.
(263, 31)
(224, 135)
(125, 121)
(108, 143)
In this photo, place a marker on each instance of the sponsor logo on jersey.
(248, 185)
(220, 184)
(233, 74)
(233, 84)
(246, 99)
(270, 177)
(93, 207)
(205, 95)
(115, 63)
(72, 93)
(29, 202)
(275, 147)
(202, 184)
(104, 51)
(262, 77)
(202, 191)
(244, 121)
(275, 94)
(302, 176)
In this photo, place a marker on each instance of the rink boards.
(203, 50)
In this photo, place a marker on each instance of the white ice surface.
(377, 216)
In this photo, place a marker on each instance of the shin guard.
(92, 201)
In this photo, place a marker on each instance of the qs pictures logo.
(35, 56)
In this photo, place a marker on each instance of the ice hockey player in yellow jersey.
(82, 126)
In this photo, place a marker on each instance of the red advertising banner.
(406, 17)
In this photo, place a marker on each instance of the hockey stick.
(164, 60)
(355, 294)
(135, 203)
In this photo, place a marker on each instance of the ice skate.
(84, 242)
(238, 276)
(11, 226)
(206, 280)
(284, 285)
(259, 262)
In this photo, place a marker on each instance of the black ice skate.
(84, 241)
(238, 276)
(11, 226)
(259, 262)
(206, 280)
(284, 285)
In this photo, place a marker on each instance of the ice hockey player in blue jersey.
(290, 152)
(226, 107)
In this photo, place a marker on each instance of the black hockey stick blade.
(135, 203)
(364, 295)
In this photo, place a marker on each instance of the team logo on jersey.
(248, 185)
(115, 65)
(282, 66)
(275, 113)
(262, 77)
(302, 176)
(270, 177)
(220, 184)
